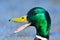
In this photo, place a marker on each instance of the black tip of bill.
(9, 20)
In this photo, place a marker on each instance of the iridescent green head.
(35, 15)
(40, 18)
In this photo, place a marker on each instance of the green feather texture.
(40, 19)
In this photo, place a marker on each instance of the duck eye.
(22, 17)
(34, 13)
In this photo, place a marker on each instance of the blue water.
(17, 8)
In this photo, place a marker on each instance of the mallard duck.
(40, 19)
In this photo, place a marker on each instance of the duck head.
(37, 17)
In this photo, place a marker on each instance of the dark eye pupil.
(22, 17)
(34, 13)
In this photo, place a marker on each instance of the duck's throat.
(42, 30)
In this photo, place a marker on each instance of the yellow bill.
(19, 19)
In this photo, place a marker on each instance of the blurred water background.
(16, 8)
